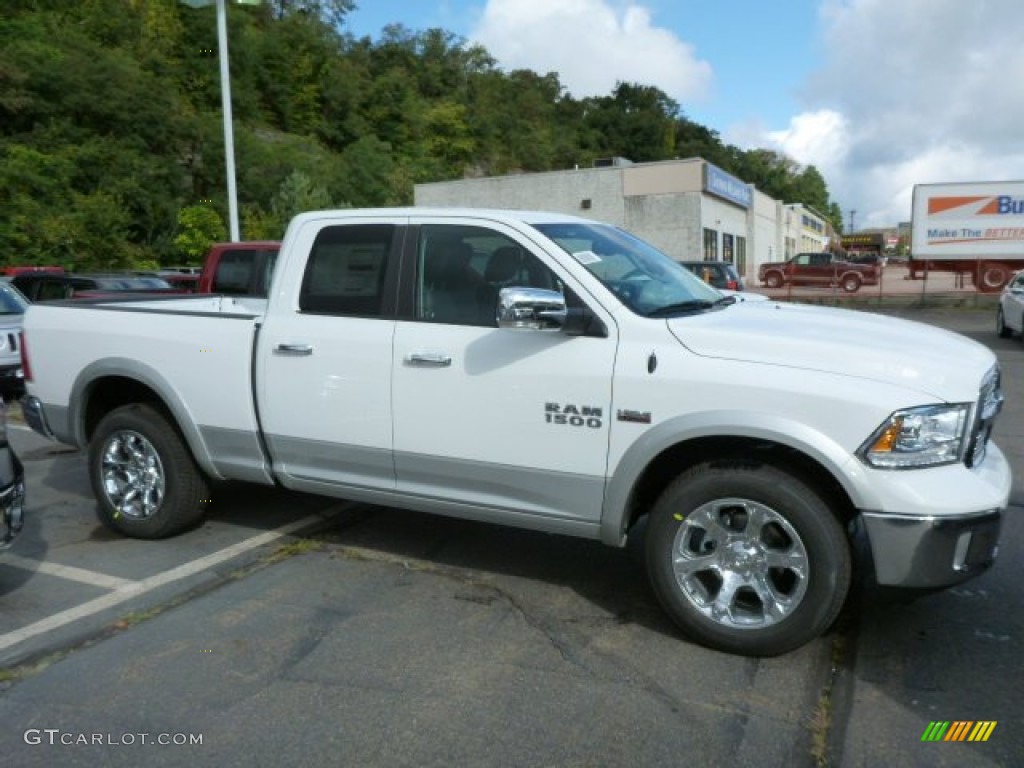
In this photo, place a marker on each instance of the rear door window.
(346, 270)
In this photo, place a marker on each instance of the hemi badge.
(637, 417)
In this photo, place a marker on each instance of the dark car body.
(12, 487)
(719, 274)
(55, 287)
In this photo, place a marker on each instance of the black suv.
(720, 274)
(44, 286)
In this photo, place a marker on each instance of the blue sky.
(877, 94)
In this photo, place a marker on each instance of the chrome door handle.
(294, 349)
(429, 359)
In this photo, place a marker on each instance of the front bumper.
(12, 503)
(931, 552)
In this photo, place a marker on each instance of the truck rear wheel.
(747, 559)
(773, 280)
(850, 283)
(991, 277)
(146, 483)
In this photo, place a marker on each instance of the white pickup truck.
(550, 372)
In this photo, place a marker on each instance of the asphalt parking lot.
(292, 629)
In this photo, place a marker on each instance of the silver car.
(12, 310)
(1010, 313)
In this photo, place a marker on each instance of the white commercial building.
(690, 209)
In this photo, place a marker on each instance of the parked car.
(12, 487)
(239, 269)
(187, 282)
(9, 271)
(12, 311)
(1010, 312)
(720, 274)
(53, 287)
(819, 269)
(868, 257)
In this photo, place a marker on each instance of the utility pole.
(853, 218)
(225, 100)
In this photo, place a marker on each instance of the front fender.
(816, 445)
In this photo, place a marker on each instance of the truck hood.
(945, 365)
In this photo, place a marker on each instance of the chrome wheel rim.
(740, 563)
(132, 475)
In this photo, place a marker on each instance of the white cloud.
(591, 45)
(815, 138)
(910, 92)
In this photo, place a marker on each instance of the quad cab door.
(495, 423)
(324, 383)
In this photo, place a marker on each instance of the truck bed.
(196, 352)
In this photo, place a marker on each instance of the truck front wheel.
(146, 483)
(1002, 328)
(747, 559)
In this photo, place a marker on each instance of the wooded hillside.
(111, 142)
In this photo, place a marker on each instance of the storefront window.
(710, 244)
(728, 253)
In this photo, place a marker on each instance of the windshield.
(642, 277)
(11, 300)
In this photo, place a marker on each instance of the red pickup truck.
(822, 269)
(239, 269)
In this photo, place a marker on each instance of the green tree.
(199, 227)
(636, 121)
(298, 194)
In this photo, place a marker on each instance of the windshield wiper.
(693, 305)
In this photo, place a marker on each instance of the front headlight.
(918, 437)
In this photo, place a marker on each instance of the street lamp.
(225, 98)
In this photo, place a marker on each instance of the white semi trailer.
(975, 229)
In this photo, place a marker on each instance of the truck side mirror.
(531, 308)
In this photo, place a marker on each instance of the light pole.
(225, 99)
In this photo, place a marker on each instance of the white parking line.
(66, 572)
(130, 589)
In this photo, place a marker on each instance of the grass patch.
(298, 547)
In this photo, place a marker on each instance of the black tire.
(850, 283)
(991, 277)
(147, 484)
(701, 526)
(1001, 327)
(773, 280)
